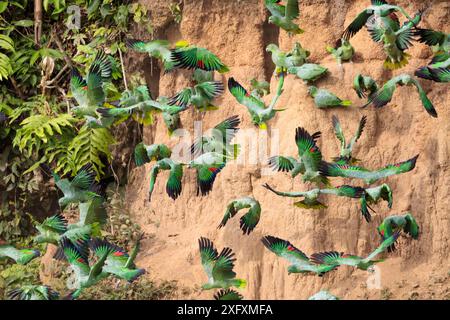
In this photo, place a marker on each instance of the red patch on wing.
(81, 260)
(291, 248)
(118, 254)
(213, 169)
(382, 233)
(200, 64)
(84, 88)
(313, 149)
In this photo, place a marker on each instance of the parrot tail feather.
(388, 64)
(346, 103)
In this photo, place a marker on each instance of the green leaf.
(24, 23)
(3, 6)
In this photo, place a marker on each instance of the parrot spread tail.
(388, 64)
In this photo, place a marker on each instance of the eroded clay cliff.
(237, 31)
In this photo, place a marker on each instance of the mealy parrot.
(218, 267)
(323, 295)
(256, 107)
(33, 292)
(173, 185)
(283, 61)
(308, 72)
(200, 96)
(228, 294)
(250, 219)
(380, 13)
(300, 263)
(20, 256)
(76, 190)
(336, 170)
(85, 275)
(219, 139)
(342, 51)
(118, 262)
(440, 41)
(89, 91)
(373, 195)
(438, 70)
(345, 156)
(208, 166)
(311, 197)
(325, 99)
(384, 95)
(335, 259)
(92, 216)
(283, 15)
(141, 110)
(290, 164)
(158, 49)
(395, 42)
(144, 154)
(365, 87)
(259, 89)
(310, 156)
(192, 57)
(398, 223)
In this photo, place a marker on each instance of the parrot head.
(271, 47)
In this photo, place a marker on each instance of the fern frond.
(39, 129)
(88, 147)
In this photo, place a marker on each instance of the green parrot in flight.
(256, 107)
(300, 263)
(85, 275)
(250, 219)
(144, 154)
(219, 139)
(398, 223)
(33, 292)
(218, 267)
(228, 294)
(20, 256)
(311, 197)
(89, 92)
(290, 164)
(380, 13)
(174, 185)
(192, 57)
(208, 165)
(158, 49)
(384, 95)
(335, 259)
(200, 96)
(118, 262)
(365, 87)
(283, 15)
(346, 171)
(345, 156)
(373, 195)
(92, 216)
(77, 190)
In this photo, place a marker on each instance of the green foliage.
(88, 147)
(35, 95)
(177, 12)
(15, 275)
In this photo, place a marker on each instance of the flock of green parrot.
(93, 259)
